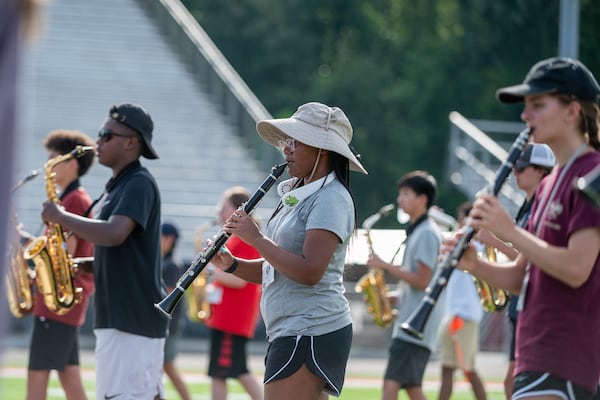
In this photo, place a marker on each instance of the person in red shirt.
(54, 340)
(234, 309)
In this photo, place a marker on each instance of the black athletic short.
(54, 345)
(227, 355)
(529, 384)
(325, 356)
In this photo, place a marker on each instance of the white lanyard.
(540, 215)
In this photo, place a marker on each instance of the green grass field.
(361, 383)
(14, 389)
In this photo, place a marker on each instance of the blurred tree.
(396, 67)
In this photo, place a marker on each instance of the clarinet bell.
(589, 185)
(415, 324)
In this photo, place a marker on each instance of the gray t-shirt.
(290, 308)
(423, 245)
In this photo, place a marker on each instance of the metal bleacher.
(92, 54)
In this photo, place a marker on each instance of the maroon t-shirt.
(558, 330)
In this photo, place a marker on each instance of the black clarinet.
(167, 305)
(415, 324)
(589, 186)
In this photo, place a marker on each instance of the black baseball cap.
(554, 75)
(135, 117)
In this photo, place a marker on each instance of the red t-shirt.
(77, 202)
(237, 313)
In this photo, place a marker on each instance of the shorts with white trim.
(128, 366)
(325, 356)
(529, 384)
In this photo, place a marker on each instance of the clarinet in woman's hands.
(167, 305)
(415, 324)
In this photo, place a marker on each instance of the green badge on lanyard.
(290, 201)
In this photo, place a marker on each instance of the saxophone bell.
(492, 299)
(19, 278)
(372, 284)
(196, 295)
(198, 307)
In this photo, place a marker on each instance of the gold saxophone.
(54, 267)
(372, 284)
(19, 282)
(198, 307)
(492, 299)
(19, 277)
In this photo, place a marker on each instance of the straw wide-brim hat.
(316, 125)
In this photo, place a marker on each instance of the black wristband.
(233, 266)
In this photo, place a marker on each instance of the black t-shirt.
(128, 277)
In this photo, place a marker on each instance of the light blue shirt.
(422, 246)
(462, 298)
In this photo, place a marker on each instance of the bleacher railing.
(474, 156)
(235, 99)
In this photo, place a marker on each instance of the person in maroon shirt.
(54, 341)
(557, 272)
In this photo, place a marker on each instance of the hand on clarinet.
(469, 257)
(241, 225)
(223, 259)
(488, 214)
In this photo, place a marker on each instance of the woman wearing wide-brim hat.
(307, 317)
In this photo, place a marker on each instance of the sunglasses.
(106, 135)
(289, 143)
(521, 168)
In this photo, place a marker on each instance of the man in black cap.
(172, 269)
(130, 333)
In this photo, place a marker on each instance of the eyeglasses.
(106, 135)
(289, 143)
(520, 168)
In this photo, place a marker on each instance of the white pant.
(128, 367)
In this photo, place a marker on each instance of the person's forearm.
(249, 270)
(99, 232)
(505, 276)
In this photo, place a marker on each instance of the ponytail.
(589, 122)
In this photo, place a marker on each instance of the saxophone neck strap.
(411, 227)
(409, 230)
(70, 187)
